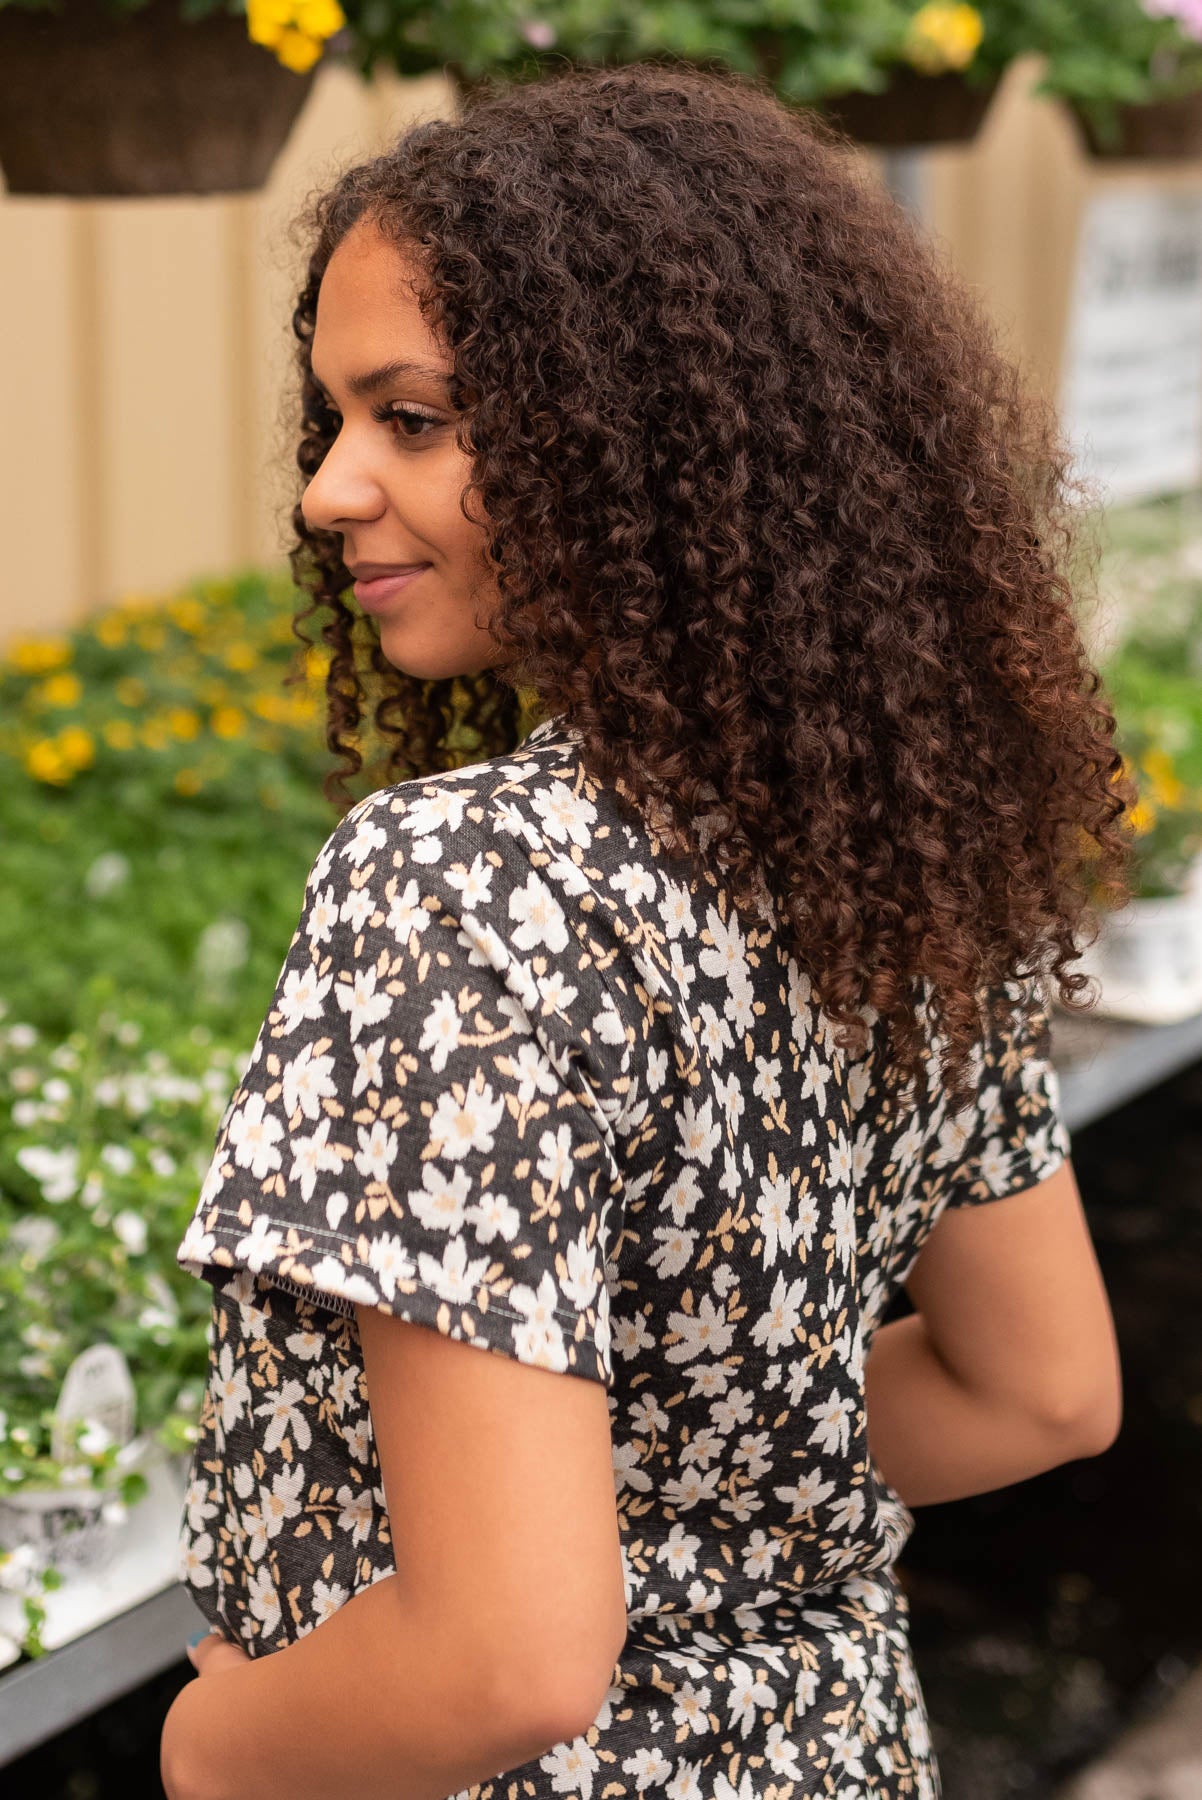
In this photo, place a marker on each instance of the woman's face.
(391, 486)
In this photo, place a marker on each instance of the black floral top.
(523, 1082)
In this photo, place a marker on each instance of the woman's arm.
(1010, 1365)
(378, 1703)
(496, 1637)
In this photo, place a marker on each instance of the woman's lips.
(371, 595)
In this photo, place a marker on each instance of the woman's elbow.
(1089, 1427)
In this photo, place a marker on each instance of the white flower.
(107, 873)
(222, 948)
(132, 1230)
(56, 1170)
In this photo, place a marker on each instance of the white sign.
(99, 1387)
(1131, 391)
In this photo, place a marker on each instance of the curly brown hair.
(772, 520)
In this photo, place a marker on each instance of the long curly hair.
(772, 521)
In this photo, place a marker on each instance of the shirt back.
(524, 1082)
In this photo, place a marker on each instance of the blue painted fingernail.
(202, 1633)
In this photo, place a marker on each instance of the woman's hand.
(185, 1724)
(215, 1653)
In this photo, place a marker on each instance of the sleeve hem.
(1028, 1175)
(259, 1263)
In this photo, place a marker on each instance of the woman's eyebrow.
(373, 379)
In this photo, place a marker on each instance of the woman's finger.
(214, 1654)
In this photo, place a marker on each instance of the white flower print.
(314, 1156)
(390, 1262)
(377, 1151)
(452, 1276)
(302, 997)
(507, 1090)
(255, 1135)
(442, 1031)
(308, 1080)
(369, 1066)
(264, 1601)
(282, 1410)
(537, 919)
(360, 1001)
(465, 1120)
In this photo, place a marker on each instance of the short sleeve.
(1012, 1134)
(427, 1121)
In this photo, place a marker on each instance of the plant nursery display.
(126, 97)
(1148, 957)
(199, 96)
(1129, 71)
(143, 917)
(161, 805)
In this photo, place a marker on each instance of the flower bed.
(161, 806)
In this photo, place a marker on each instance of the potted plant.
(1130, 73)
(135, 97)
(894, 75)
(933, 88)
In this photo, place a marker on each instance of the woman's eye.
(394, 414)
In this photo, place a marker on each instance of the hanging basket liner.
(915, 109)
(1156, 131)
(96, 103)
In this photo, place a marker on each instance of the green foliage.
(1153, 677)
(160, 807)
(1097, 53)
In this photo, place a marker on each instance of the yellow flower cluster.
(295, 29)
(56, 759)
(943, 36)
(249, 706)
(1161, 788)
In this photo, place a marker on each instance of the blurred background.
(162, 748)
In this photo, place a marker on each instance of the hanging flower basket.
(96, 103)
(915, 109)
(1154, 130)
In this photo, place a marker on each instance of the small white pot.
(64, 1525)
(1148, 958)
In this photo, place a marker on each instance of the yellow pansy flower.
(295, 29)
(297, 51)
(119, 734)
(110, 630)
(227, 721)
(1163, 783)
(943, 36)
(45, 762)
(35, 656)
(1142, 816)
(240, 655)
(77, 746)
(188, 614)
(184, 722)
(62, 690)
(276, 707)
(320, 18)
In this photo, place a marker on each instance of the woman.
(664, 1045)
